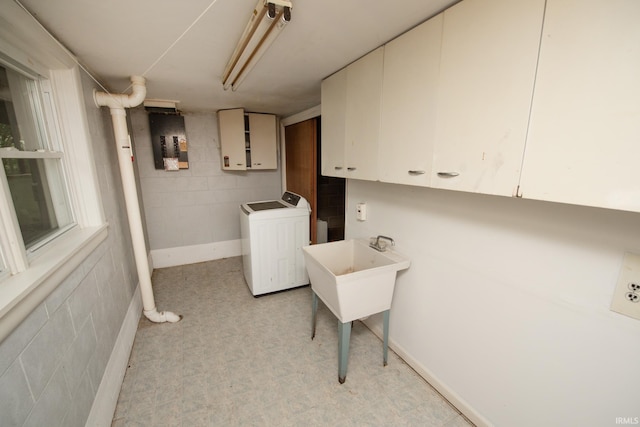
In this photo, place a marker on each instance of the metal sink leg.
(385, 339)
(344, 334)
(314, 311)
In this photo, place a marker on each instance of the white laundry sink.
(351, 278)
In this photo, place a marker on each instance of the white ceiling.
(119, 38)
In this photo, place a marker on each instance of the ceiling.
(182, 47)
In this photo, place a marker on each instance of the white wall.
(192, 215)
(505, 307)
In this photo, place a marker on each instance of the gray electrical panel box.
(168, 139)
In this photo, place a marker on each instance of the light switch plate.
(626, 297)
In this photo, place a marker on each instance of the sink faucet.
(380, 245)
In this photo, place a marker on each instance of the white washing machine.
(273, 233)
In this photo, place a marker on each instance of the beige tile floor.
(236, 360)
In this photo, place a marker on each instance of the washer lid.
(271, 204)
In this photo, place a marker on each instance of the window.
(51, 215)
(32, 180)
(32, 159)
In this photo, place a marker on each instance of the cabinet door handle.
(258, 164)
(416, 172)
(338, 168)
(239, 164)
(448, 174)
(351, 168)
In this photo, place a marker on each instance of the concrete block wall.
(51, 365)
(198, 205)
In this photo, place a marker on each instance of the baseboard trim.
(453, 397)
(172, 257)
(104, 405)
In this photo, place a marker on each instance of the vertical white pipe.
(118, 117)
(116, 103)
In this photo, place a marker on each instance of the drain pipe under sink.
(117, 103)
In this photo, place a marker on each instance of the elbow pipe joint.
(120, 101)
(162, 316)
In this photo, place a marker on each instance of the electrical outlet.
(626, 297)
(632, 297)
(633, 287)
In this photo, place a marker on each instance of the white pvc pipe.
(117, 103)
(121, 101)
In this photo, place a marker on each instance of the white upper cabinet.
(248, 141)
(584, 139)
(232, 139)
(333, 110)
(484, 98)
(351, 119)
(263, 141)
(364, 93)
(487, 72)
(409, 105)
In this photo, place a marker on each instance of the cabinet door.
(409, 102)
(488, 63)
(263, 141)
(584, 138)
(232, 139)
(362, 127)
(333, 110)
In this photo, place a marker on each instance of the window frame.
(43, 116)
(41, 112)
(25, 44)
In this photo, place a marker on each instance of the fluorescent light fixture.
(267, 21)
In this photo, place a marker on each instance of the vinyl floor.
(236, 360)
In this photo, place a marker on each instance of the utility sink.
(354, 281)
(351, 278)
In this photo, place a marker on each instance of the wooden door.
(301, 165)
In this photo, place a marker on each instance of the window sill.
(23, 292)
